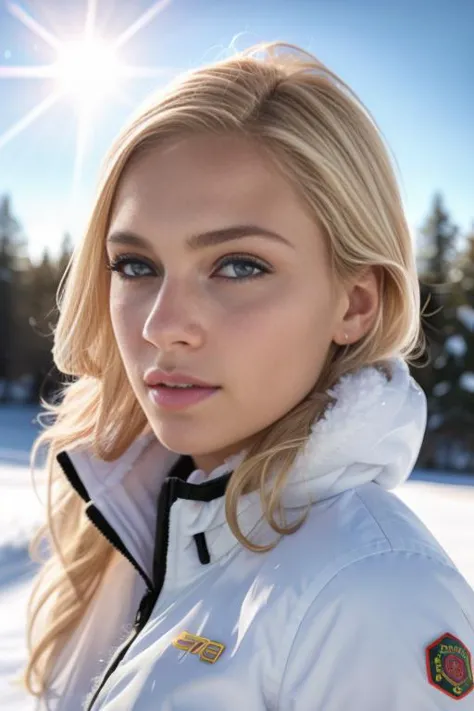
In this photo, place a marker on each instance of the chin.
(193, 441)
(179, 439)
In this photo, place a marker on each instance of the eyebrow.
(204, 239)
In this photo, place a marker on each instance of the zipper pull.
(144, 610)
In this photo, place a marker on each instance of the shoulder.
(381, 613)
(372, 589)
(396, 581)
(350, 527)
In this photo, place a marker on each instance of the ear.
(361, 307)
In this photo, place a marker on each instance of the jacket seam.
(434, 553)
(374, 519)
(313, 598)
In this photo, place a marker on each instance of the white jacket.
(359, 610)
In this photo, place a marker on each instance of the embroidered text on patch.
(449, 667)
(208, 650)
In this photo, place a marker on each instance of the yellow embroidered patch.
(207, 649)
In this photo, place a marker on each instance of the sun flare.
(87, 69)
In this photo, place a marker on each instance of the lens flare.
(88, 70)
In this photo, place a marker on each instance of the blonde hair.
(328, 146)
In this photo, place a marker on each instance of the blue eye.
(244, 267)
(117, 265)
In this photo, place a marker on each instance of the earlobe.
(342, 340)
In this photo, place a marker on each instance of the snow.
(435, 420)
(465, 314)
(20, 514)
(441, 388)
(466, 381)
(456, 346)
(444, 501)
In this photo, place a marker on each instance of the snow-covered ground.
(444, 502)
(20, 513)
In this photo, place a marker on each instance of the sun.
(87, 69)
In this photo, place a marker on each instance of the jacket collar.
(373, 432)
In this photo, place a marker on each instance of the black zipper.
(167, 497)
(174, 487)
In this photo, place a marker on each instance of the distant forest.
(445, 259)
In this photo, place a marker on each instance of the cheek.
(125, 322)
(279, 344)
(287, 322)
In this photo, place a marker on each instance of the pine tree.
(460, 346)
(65, 254)
(12, 245)
(447, 442)
(439, 243)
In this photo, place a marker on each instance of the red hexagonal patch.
(449, 666)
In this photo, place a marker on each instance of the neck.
(207, 462)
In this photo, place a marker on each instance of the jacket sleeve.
(364, 641)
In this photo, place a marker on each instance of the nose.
(174, 318)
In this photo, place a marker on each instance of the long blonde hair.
(329, 147)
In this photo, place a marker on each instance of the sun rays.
(85, 70)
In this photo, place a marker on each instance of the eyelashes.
(119, 263)
(247, 261)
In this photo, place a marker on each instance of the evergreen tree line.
(445, 260)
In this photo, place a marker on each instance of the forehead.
(211, 180)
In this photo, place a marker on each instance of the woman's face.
(254, 315)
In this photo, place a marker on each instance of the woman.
(238, 319)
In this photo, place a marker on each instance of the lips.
(158, 377)
(164, 386)
(170, 398)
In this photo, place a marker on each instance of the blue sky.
(410, 61)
